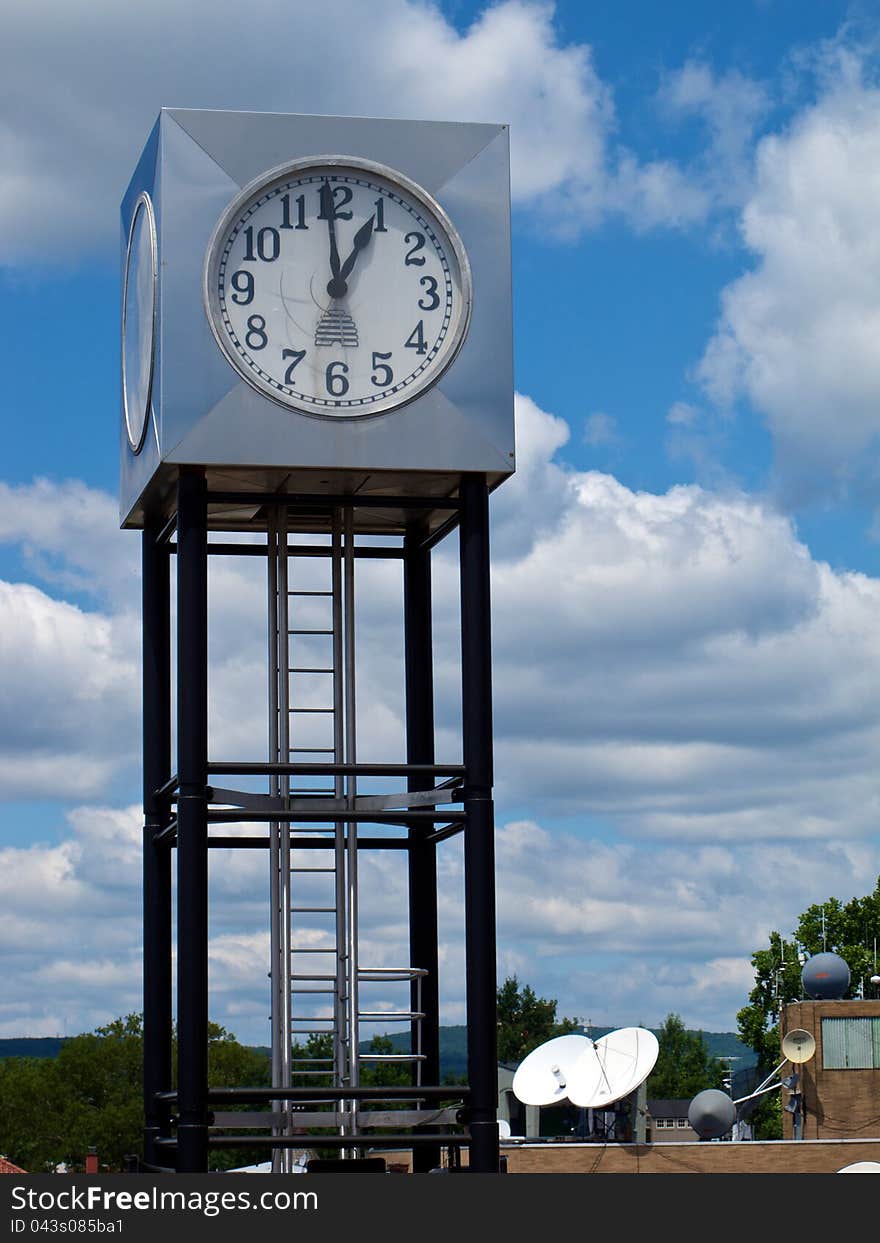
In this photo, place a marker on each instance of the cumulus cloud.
(797, 333)
(677, 681)
(77, 107)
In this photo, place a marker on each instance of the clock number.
(337, 385)
(344, 193)
(412, 255)
(300, 202)
(416, 339)
(381, 381)
(243, 283)
(297, 356)
(255, 338)
(379, 226)
(268, 245)
(430, 284)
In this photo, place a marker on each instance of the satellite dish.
(613, 1067)
(711, 1113)
(798, 1045)
(825, 977)
(861, 1167)
(543, 1077)
(503, 1128)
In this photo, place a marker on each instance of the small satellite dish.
(861, 1167)
(711, 1113)
(613, 1068)
(542, 1078)
(798, 1045)
(825, 977)
(503, 1128)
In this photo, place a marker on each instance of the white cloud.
(674, 674)
(81, 88)
(797, 334)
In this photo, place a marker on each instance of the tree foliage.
(52, 1110)
(526, 1020)
(684, 1065)
(850, 929)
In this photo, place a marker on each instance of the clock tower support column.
(479, 832)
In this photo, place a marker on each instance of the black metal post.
(192, 830)
(156, 855)
(479, 832)
(423, 930)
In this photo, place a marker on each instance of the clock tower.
(316, 351)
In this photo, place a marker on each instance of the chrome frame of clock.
(267, 184)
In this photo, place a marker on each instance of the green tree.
(526, 1020)
(850, 929)
(684, 1065)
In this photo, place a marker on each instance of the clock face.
(337, 287)
(139, 308)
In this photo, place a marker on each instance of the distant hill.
(32, 1046)
(453, 1047)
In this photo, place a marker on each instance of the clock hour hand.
(338, 287)
(328, 209)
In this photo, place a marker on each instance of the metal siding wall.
(850, 1044)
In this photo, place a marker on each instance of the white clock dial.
(337, 287)
(139, 308)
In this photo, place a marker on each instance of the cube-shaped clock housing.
(199, 408)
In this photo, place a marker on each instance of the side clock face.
(337, 287)
(139, 307)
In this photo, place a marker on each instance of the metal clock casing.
(417, 441)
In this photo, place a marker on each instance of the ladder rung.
(395, 1016)
(325, 949)
(392, 1057)
(307, 870)
(324, 1061)
(310, 593)
(311, 709)
(312, 751)
(312, 1018)
(312, 992)
(310, 669)
(313, 910)
(302, 631)
(298, 976)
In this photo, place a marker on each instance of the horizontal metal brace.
(327, 1141)
(245, 798)
(408, 798)
(335, 1118)
(251, 769)
(242, 1096)
(337, 814)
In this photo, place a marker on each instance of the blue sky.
(687, 561)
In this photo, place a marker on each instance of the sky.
(686, 569)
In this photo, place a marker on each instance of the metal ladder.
(307, 687)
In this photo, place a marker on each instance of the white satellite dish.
(542, 1078)
(614, 1067)
(861, 1167)
(798, 1045)
(503, 1128)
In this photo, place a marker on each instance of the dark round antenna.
(711, 1113)
(825, 977)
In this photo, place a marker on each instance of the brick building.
(840, 1085)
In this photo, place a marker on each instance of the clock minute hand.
(328, 208)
